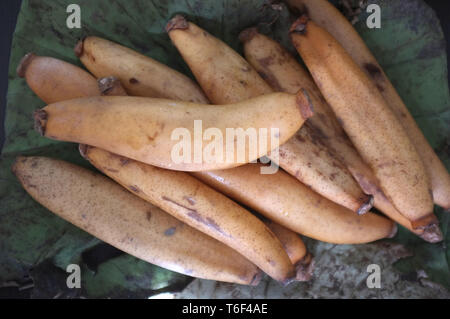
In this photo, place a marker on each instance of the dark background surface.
(10, 8)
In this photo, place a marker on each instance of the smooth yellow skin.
(282, 71)
(296, 250)
(139, 74)
(215, 64)
(141, 128)
(295, 206)
(106, 210)
(328, 17)
(369, 122)
(54, 80)
(199, 206)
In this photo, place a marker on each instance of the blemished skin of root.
(142, 128)
(282, 71)
(106, 210)
(215, 64)
(301, 259)
(296, 207)
(328, 17)
(199, 206)
(54, 80)
(305, 156)
(368, 121)
(139, 74)
(210, 59)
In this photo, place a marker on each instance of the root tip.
(247, 35)
(177, 22)
(393, 232)
(16, 163)
(432, 234)
(300, 25)
(256, 278)
(305, 268)
(24, 63)
(83, 149)
(366, 206)
(40, 121)
(78, 49)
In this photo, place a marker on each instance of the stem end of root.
(247, 35)
(432, 234)
(24, 63)
(305, 268)
(83, 149)
(78, 49)
(366, 206)
(111, 86)
(177, 22)
(300, 25)
(40, 121)
(393, 231)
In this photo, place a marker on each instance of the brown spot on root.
(34, 163)
(366, 185)
(133, 81)
(78, 49)
(432, 234)
(379, 87)
(366, 206)
(152, 138)
(300, 138)
(299, 25)
(170, 231)
(177, 22)
(304, 268)
(111, 86)
(271, 80)
(124, 161)
(40, 121)
(190, 200)
(305, 104)
(134, 188)
(374, 71)
(84, 149)
(340, 121)
(24, 63)
(267, 61)
(148, 215)
(247, 34)
(193, 213)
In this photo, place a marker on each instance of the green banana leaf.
(36, 246)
